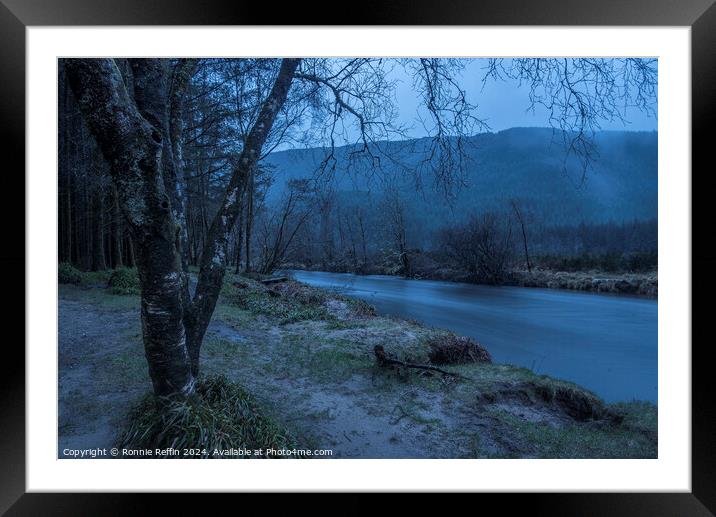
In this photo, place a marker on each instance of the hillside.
(523, 163)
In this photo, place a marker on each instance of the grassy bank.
(306, 357)
(593, 280)
(643, 284)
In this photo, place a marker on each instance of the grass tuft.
(361, 308)
(576, 402)
(220, 415)
(451, 349)
(124, 281)
(68, 274)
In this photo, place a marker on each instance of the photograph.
(357, 257)
(455, 248)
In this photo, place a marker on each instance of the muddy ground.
(310, 365)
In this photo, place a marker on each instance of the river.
(606, 343)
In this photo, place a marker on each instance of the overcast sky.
(502, 104)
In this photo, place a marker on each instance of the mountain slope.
(523, 163)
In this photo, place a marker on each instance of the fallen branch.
(274, 280)
(383, 360)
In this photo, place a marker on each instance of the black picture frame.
(16, 15)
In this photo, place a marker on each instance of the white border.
(670, 472)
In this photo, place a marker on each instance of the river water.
(606, 343)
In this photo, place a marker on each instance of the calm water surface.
(605, 343)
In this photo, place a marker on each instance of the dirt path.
(355, 415)
(90, 340)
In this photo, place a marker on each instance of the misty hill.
(523, 163)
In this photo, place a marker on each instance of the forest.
(195, 188)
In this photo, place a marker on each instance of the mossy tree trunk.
(139, 137)
(249, 219)
(239, 241)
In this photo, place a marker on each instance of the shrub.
(68, 274)
(481, 246)
(302, 293)
(361, 308)
(219, 415)
(576, 402)
(289, 302)
(452, 349)
(124, 281)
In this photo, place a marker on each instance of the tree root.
(384, 360)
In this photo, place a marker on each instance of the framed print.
(435, 250)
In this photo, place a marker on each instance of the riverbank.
(306, 354)
(641, 284)
(604, 342)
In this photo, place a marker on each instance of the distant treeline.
(385, 238)
(614, 247)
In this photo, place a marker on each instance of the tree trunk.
(524, 234)
(77, 252)
(249, 220)
(68, 219)
(326, 234)
(98, 262)
(363, 243)
(180, 79)
(131, 261)
(117, 232)
(239, 242)
(86, 238)
(133, 148)
(66, 199)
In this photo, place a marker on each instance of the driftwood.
(274, 280)
(384, 360)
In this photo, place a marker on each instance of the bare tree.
(361, 218)
(325, 212)
(520, 219)
(281, 226)
(396, 226)
(482, 246)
